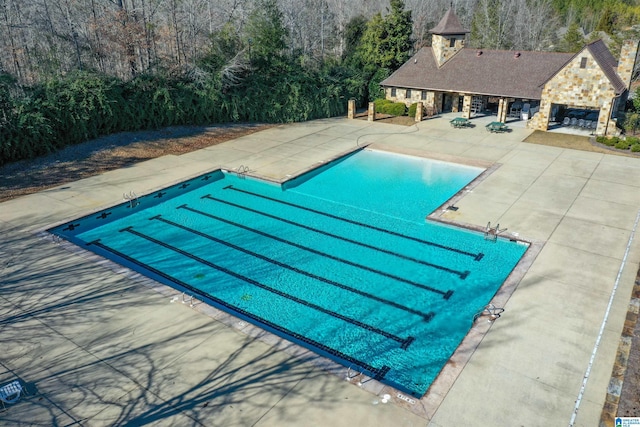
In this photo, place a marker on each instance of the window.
(423, 96)
(452, 42)
(393, 91)
(583, 62)
(408, 94)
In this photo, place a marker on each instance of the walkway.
(98, 345)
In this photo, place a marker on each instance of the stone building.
(541, 87)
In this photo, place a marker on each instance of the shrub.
(622, 145)
(396, 109)
(384, 106)
(610, 142)
(601, 139)
(412, 110)
(635, 148)
(380, 104)
(633, 140)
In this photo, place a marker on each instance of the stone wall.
(578, 87)
(441, 47)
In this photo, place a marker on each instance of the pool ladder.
(132, 198)
(491, 233)
(242, 171)
(356, 374)
(489, 310)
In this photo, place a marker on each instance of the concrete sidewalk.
(98, 345)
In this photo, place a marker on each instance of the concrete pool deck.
(99, 345)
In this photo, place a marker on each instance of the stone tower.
(448, 37)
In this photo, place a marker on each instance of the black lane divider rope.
(378, 373)
(425, 316)
(462, 274)
(404, 342)
(476, 257)
(446, 295)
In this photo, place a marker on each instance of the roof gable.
(607, 63)
(449, 24)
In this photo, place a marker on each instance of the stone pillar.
(371, 116)
(606, 126)
(419, 109)
(541, 120)
(503, 106)
(466, 107)
(352, 109)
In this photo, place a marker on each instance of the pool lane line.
(404, 342)
(446, 295)
(476, 257)
(378, 373)
(462, 274)
(426, 316)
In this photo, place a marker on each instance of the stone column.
(371, 116)
(466, 107)
(419, 109)
(541, 120)
(605, 125)
(503, 106)
(351, 110)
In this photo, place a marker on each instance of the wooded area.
(75, 69)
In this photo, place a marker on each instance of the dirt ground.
(123, 149)
(109, 153)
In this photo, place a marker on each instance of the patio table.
(459, 122)
(497, 127)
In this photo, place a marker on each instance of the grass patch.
(574, 142)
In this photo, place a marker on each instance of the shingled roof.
(449, 24)
(608, 63)
(482, 72)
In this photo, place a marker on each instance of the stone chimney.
(627, 62)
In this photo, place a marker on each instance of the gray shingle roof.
(608, 63)
(493, 72)
(449, 24)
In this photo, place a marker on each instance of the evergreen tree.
(266, 34)
(386, 41)
(573, 40)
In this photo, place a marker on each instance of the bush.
(610, 142)
(633, 140)
(412, 110)
(601, 139)
(396, 109)
(622, 145)
(635, 148)
(384, 106)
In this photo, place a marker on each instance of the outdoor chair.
(574, 122)
(580, 123)
(10, 393)
(566, 121)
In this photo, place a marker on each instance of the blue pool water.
(340, 260)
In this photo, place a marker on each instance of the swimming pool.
(339, 260)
